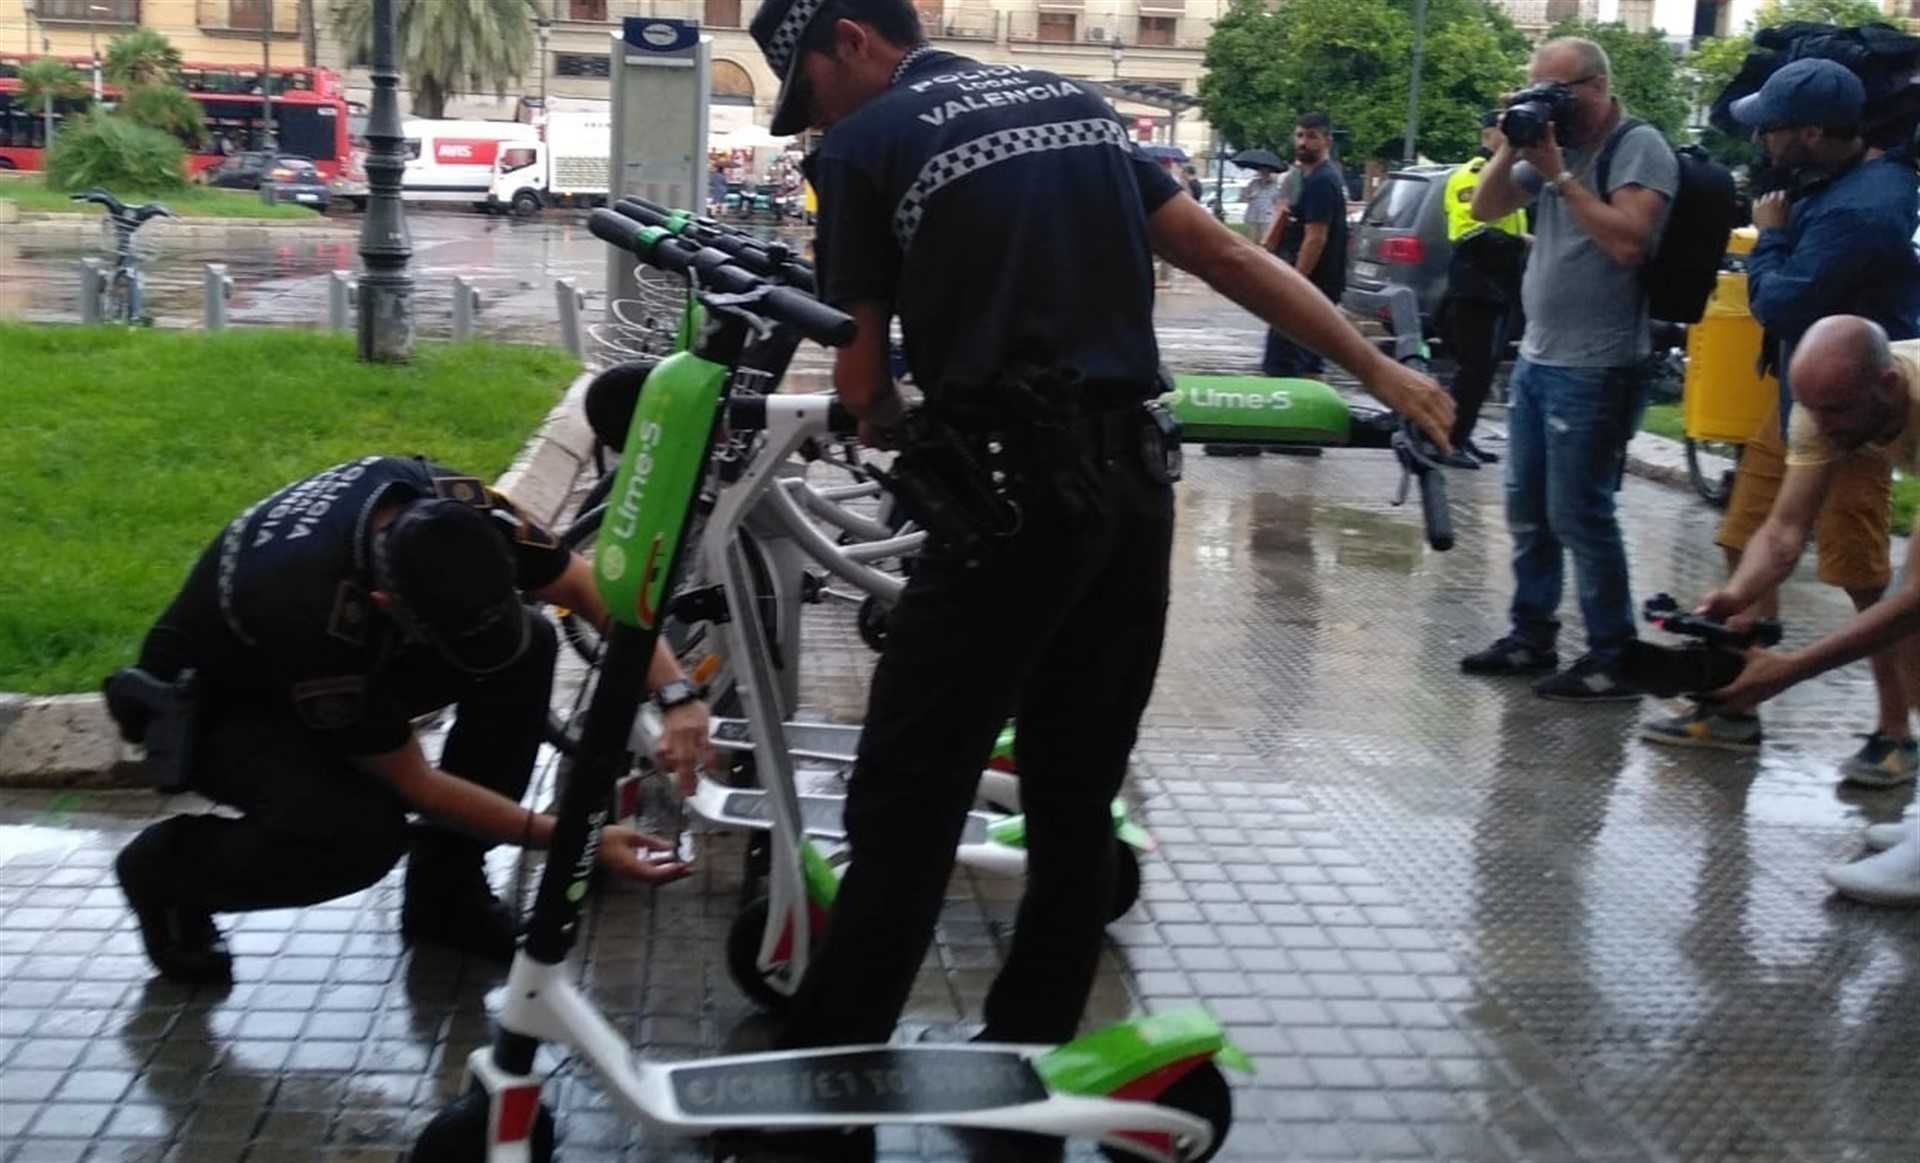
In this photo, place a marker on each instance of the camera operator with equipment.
(1583, 356)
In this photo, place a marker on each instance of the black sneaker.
(1231, 449)
(1480, 454)
(182, 943)
(1460, 458)
(1588, 680)
(1512, 655)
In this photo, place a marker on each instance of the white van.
(454, 161)
(569, 167)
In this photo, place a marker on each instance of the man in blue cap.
(1836, 239)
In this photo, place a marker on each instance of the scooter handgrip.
(1433, 509)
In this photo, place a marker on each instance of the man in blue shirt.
(1837, 240)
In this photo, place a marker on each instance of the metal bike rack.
(572, 302)
(93, 290)
(218, 288)
(343, 298)
(466, 305)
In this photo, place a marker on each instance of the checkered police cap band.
(1000, 145)
(786, 38)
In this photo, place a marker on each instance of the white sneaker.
(1880, 837)
(1892, 878)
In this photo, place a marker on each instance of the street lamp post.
(266, 80)
(1119, 54)
(93, 41)
(386, 288)
(26, 26)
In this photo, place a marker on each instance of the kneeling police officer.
(312, 632)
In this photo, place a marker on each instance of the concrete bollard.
(572, 303)
(343, 297)
(466, 305)
(93, 290)
(217, 287)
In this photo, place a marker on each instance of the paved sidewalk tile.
(1447, 920)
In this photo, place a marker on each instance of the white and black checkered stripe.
(780, 47)
(947, 167)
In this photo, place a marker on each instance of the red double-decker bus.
(311, 118)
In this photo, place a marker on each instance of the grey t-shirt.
(1584, 309)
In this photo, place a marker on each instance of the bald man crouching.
(1853, 390)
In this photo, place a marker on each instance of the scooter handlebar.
(718, 272)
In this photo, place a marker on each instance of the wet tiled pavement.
(1448, 920)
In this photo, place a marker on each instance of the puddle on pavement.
(18, 840)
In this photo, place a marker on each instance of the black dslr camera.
(1532, 109)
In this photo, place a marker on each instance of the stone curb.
(68, 741)
(162, 234)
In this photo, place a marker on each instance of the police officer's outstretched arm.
(491, 816)
(685, 741)
(1188, 236)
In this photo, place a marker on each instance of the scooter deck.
(820, 816)
(824, 742)
(923, 1081)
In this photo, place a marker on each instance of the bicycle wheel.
(119, 304)
(1713, 487)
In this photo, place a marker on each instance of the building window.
(249, 14)
(1062, 27)
(586, 9)
(723, 13)
(112, 11)
(1155, 30)
(576, 64)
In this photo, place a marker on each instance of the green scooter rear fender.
(1110, 1058)
(1012, 831)
(1258, 410)
(664, 461)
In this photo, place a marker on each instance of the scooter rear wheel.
(1203, 1092)
(1126, 880)
(458, 1134)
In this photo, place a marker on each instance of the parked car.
(295, 179)
(1401, 240)
(278, 177)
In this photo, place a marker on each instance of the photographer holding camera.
(1580, 384)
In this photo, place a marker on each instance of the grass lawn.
(1664, 420)
(192, 202)
(125, 452)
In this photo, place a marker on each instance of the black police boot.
(448, 901)
(182, 942)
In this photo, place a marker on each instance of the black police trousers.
(1059, 628)
(314, 827)
(1479, 338)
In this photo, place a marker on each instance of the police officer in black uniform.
(1004, 216)
(318, 625)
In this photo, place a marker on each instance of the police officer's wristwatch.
(675, 693)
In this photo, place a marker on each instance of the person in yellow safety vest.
(1483, 283)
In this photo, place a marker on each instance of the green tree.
(45, 77)
(141, 57)
(167, 109)
(1353, 60)
(1646, 77)
(100, 150)
(446, 46)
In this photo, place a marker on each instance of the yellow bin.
(1725, 398)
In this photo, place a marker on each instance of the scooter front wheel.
(762, 986)
(1202, 1092)
(458, 1134)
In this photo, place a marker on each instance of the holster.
(162, 716)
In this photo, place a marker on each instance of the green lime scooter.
(1147, 1089)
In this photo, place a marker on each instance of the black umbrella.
(1259, 159)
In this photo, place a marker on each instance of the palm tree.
(50, 77)
(141, 57)
(446, 46)
(168, 109)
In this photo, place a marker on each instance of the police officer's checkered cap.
(785, 41)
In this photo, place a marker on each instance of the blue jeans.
(1567, 433)
(1284, 357)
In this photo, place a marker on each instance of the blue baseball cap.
(1805, 92)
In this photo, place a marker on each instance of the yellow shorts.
(1852, 530)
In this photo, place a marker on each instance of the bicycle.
(125, 299)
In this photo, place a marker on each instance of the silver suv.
(1401, 241)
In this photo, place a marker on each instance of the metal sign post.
(660, 88)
